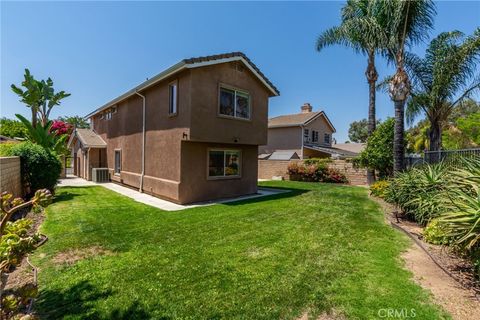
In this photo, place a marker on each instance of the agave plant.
(420, 192)
(42, 135)
(462, 219)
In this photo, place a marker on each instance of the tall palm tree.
(360, 31)
(443, 79)
(406, 23)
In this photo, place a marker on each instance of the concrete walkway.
(73, 181)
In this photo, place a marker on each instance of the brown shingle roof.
(89, 138)
(291, 119)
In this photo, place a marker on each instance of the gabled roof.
(352, 147)
(298, 119)
(194, 63)
(88, 138)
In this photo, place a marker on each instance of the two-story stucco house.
(189, 134)
(303, 135)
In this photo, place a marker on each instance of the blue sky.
(98, 50)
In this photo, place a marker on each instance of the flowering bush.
(318, 172)
(60, 128)
(379, 188)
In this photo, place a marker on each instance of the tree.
(358, 131)
(43, 135)
(442, 80)
(39, 96)
(405, 23)
(12, 128)
(470, 127)
(360, 31)
(75, 121)
(378, 153)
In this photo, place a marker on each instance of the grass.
(320, 248)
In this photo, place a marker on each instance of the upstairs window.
(173, 98)
(223, 163)
(234, 103)
(306, 135)
(326, 138)
(314, 136)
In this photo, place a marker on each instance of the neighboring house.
(189, 134)
(306, 134)
(351, 147)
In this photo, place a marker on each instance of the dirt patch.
(448, 276)
(72, 256)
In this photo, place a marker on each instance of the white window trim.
(235, 90)
(239, 175)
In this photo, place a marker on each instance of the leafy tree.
(39, 96)
(378, 154)
(443, 79)
(12, 128)
(358, 131)
(470, 126)
(360, 31)
(76, 121)
(405, 23)
(463, 109)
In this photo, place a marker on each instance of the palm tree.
(443, 79)
(360, 31)
(405, 23)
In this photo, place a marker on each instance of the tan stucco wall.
(320, 125)
(207, 125)
(288, 138)
(10, 176)
(171, 138)
(195, 184)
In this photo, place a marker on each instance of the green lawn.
(319, 248)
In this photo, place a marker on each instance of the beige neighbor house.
(303, 135)
(189, 134)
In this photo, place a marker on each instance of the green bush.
(435, 233)
(317, 172)
(6, 148)
(317, 161)
(41, 168)
(379, 188)
(378, 154)
(420, 192)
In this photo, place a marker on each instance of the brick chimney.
(306, 108)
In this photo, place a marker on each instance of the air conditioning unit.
(100, 175)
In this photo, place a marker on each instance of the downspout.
(302, 127)
(143, 142)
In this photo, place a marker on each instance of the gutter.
(143, 142)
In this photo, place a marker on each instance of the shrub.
(420, 192)
(379, 188)
(378, 154)
(6, 148)
(40, 167)
(317, 161)
(435, 233)
(316, 172)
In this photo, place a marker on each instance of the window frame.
(224, 177)
(235, 90)
(115, 162)
(306, 138)
(325, 135)
(174, 84)
(314, 136)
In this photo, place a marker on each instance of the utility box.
(100, 175)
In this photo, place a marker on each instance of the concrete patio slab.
(157, 202)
